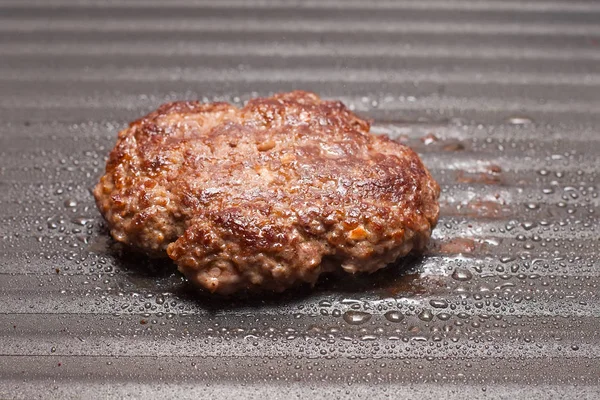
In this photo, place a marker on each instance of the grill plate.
(500, 99)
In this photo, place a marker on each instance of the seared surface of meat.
(265, 196)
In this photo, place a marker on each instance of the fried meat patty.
(265, 196)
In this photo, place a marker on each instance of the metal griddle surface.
(501, 99)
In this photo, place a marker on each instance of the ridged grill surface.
(500, 98)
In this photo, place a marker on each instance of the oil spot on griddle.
(456, 146)
(430, 138)
(413, 284)
(492, 176)
(491, 208)
(457, 245)
(494, 169)
(486, 209)
(101, 244)
(430, 142)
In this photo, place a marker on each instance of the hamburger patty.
(266, 196)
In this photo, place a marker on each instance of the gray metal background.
(504, 304)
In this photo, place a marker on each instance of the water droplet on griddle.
(70, 203)
(356, 317)
(461, 274)
(528, 225)
(438, 303)
(425, 315)
(394, 316)
(519, 120)
(532, 206)
(82, 220)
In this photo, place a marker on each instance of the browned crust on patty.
(265, 196)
